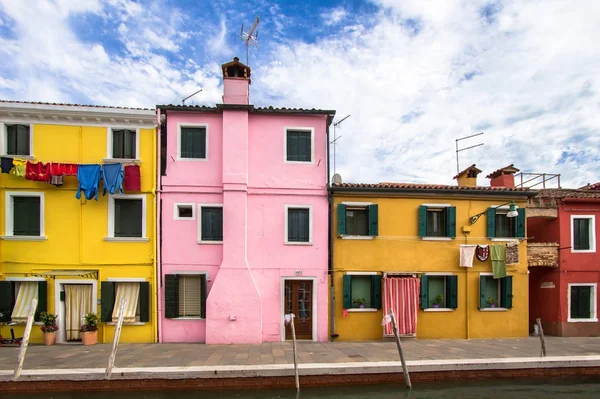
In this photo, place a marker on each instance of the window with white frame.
(299, 144)
(127, 216)
(210, 223)
(123, 143)
(583, 233)
(24, 214)
(17, 139)
(192, 142)
(298, 224)
(582, 302)
(184, 211)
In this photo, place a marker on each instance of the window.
(501, 226)
(16, 296)
(495, 293)
(439, 292)
(355, 219)
(127, 217)
(299, 145)
(362, 290)
(298, 224)
(210, 223)
(582, 302)
(18, 139)
(184, 212)
(137, 294)
(192, 142)
(185, 296)
(437, 221)
(583, 233)
(24, 214)
(124, 143)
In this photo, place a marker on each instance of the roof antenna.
(191, 95)
(463, 149)
(334, 141)
(250, 37)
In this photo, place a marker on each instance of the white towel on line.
(467, 252)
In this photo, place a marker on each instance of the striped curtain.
(27, 292)
(131, 291)
(402, 295)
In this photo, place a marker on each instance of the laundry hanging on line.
(467, 253)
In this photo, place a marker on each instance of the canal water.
(578, 388)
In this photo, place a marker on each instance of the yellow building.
(78, 255)
(398, 246)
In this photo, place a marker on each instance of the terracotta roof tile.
(510, 168)
(567, 193)
(73, 105)
(423, 186)
(462, 172)
(595, 186)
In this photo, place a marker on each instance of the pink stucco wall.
(245, 172)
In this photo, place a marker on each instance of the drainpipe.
(158, 224)
(330, 238)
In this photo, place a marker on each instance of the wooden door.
(298, 300)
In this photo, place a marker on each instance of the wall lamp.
(512, 212)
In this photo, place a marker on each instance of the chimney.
(468, 177)
(504, 177)
(236, 82)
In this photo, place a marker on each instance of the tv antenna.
(191, 95)
(335, 138)
(467, 148)
(250, 37)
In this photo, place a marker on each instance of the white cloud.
(334, 16)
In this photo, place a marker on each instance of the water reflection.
(579, 388)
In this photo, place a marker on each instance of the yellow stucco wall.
(398, 248)
(75, 229)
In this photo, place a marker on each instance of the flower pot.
(49, 338)
(493, 305)
(362, 305)
(435, 305)
(89, 338)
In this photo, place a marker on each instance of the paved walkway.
(73, 356)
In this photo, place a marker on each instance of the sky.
(414, 76)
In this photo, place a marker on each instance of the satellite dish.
(337, 179)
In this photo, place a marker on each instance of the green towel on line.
(498, 255)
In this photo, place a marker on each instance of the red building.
(564, 262)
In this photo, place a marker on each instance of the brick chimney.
(504, 177)
(468, 177)
(236, 82)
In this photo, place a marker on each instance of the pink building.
(244, 219)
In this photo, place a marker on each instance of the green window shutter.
(451, 221)
(7, 298)
(482, 292)
(42, 305)
(292, 146)
(506, 292)
(376, 291)
(424, 290)
(128, 218)
(129, 144)
(422, 221)
(212, 224)
(171, 296)
(491, 223)
(373, 220)
(452, 292)
(521, 222)
(580, 302)
(22, 140)
(203, 296)
(118, 143)
(298, 225)
(347, 291)
(144, 302)
(341, 219)
(11, 140)
(26, 220)
(107, 300)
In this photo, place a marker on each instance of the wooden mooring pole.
(404, 368)
(538, 321)
(113, 353)
(25, 341)
(294, 352)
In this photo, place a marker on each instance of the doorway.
(73, 299)
(299, 299)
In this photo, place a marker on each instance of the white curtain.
(78, 302)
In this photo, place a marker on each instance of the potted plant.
(360, 302)
(491, 302)
(89, 329)
(49, 327)
(438, 301)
